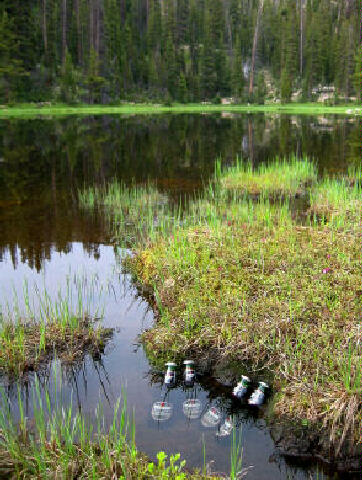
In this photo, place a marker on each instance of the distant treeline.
(104, 51)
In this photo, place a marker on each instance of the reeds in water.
(36, 325)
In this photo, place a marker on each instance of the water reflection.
(44, 162)
(44, 234)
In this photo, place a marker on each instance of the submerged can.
(192, 408)
(189, 372)
(211, 418)
(162, 411)
(170, 376)
(258, 396)
(242, 387)
(226, 428)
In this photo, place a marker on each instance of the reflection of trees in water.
(44, 162)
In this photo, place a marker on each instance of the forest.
(112, 51)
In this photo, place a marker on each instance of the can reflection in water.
(162, 411)
(211, 418)
(192, 408)
(226, 428)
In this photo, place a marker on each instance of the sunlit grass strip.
(279, 177)
(62, 441)
(42, 326)
(31, 110)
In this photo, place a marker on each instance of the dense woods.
(106, 51)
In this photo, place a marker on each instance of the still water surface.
(45, 238)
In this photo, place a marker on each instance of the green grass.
(65, 325)
(135, 212)
(31, 110)
(338, 201)
(61, 442)
(280, 177)
(240, 276)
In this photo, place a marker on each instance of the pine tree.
(11, 68)
(207, 70)
(69, 81)
(94, 81)
(182, 89)
(285, 86)
(260, 89)
(237, 76)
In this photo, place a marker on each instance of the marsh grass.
(287, 177)
(36, 325)
(338, 200)
(236, 274)
(136, 213)
(61, 442)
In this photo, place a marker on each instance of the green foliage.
(137, 50)
(11, 67)
(285, 86)
(61, 439)
(69, 81)
(237, 75)
(260, 89)
(93, 80)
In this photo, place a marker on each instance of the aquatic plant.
(64, 441)
(337, 201)
(287, 176)
(35, 326)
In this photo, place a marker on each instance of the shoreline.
(36, 110)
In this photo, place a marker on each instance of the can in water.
(170, 376)
(258, 396)
(242, 387)
(226, 428)
(189, 372)
(162, 411)
(192, 408)
(211, 418)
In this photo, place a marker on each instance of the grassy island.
(246, 274)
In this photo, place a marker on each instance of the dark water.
(45, 237)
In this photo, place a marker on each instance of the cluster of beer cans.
(192, 407)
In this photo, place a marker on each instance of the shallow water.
(45, 237)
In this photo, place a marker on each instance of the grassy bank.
(65, 326)
(31, 110)
(239, 276)
(62, 443)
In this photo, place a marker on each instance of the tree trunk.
(91, 26)
(64, 30)
(45, 32)
(79, 33)
(301, 38)
(123, 11)
(97, 27)
(255, 44)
